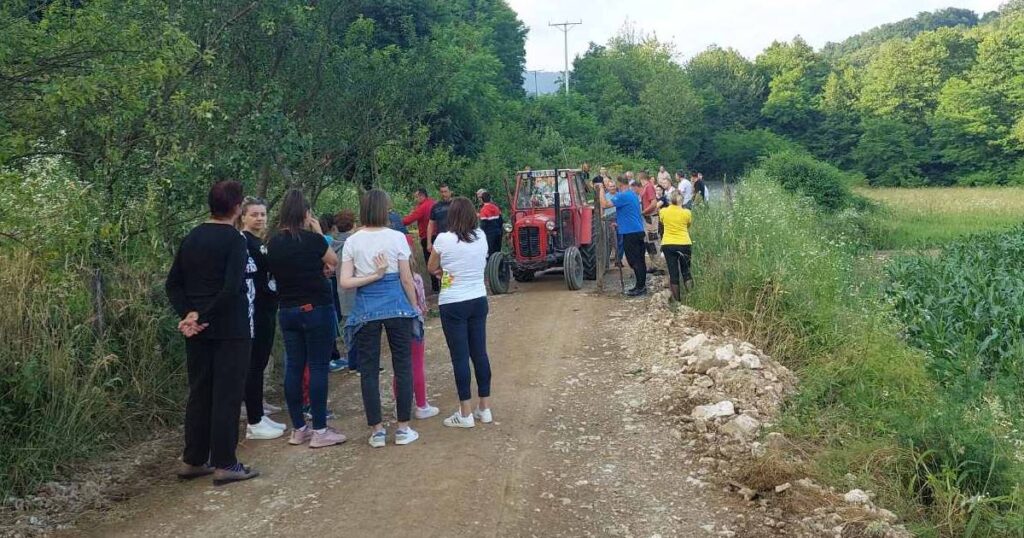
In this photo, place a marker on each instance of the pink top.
(421, 295)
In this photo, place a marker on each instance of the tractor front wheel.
(573, 268)
(498, 273)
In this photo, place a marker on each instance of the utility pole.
(565, 27)
(536, 89)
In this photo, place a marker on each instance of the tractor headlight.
(508, 227)
(550, 225)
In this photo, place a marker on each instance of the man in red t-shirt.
(649, 209)
(490, 222)
(420, 216)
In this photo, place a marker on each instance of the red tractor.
(552, 226)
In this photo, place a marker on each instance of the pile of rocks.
(722, 396)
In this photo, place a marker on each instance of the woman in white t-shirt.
(375, 261)
(458, 259)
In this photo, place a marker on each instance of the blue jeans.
(308, 339)
(465, 329)
(620, 249)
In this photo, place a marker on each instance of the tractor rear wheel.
(498, 273)
(572, 266)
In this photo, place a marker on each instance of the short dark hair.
(422, 192)
(327, 222)
(294, 207)
(680, 173)
(444, 186)
(345, 220)
(462, 219)
(485, 197)
(693, 174)
(224, 198)
(373, 209)
(623, 180)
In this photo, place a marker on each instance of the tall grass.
(68, 387)
(928, 218)
(788, 277)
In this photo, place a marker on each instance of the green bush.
(787, 273)
(802, 173)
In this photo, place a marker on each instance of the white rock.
(725, 408)
(693, 344)
(742, 427)
(750, 361)
(856, 496)
(725, 353)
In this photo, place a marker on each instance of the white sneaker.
(483, 415)
(262, 431)
(426, 412)
(406, 436)
(459, 421)
(272, 423)
(379, 439)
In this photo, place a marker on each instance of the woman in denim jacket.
(375, 262)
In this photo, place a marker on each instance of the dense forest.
(116, 116)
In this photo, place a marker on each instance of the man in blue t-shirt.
(631, 226)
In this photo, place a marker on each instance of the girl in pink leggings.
(419, 376)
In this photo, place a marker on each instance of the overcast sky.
(746, 25)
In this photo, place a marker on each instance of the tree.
(890, 153)
(840, 127)
(978, 119)
(905, 78)
(731, 87)
(671, 112)
(796, 75)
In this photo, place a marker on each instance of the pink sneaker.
(301, 437)
(328, 437)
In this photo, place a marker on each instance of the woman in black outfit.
(205, 287)
(262, 293)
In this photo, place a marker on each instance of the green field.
(924, 218)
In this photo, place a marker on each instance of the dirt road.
(565, 456)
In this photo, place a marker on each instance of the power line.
(565, 27)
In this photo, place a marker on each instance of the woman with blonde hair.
(676, 244)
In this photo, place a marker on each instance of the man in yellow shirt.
(676, 244)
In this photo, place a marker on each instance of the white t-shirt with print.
(363, 246)
(463, 265)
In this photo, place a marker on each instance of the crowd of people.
(652, 218)
(234, 281)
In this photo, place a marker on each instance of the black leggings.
(264, 325)
(678, 259)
